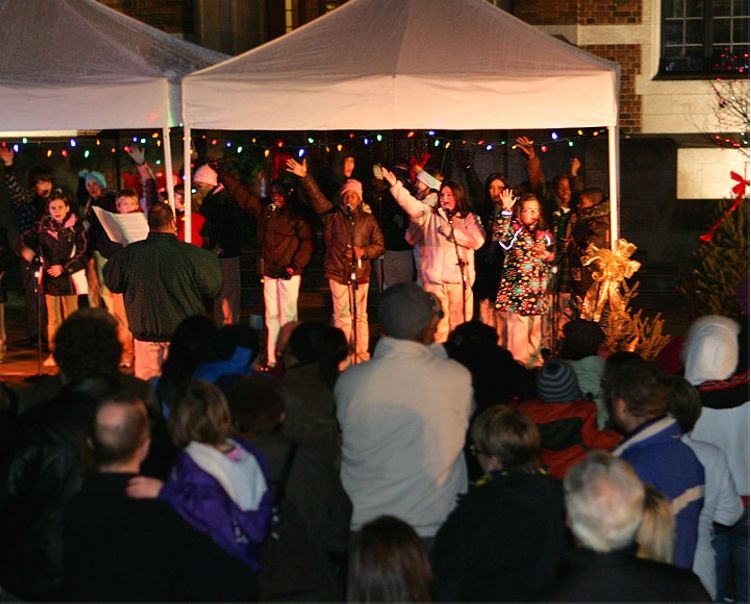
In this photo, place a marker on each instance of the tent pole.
(168, 166)
(614, 179)
(187, 195)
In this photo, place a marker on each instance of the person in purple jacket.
(219, 485)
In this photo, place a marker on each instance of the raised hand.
(507, 199)
(526, 146)
(388, 176)
(299, 169)
(137, 153)
(6, 155)
(575, 166)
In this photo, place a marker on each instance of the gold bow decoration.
(612, 268)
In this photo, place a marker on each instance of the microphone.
(347, 209)
(271, 207)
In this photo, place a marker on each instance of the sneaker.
(49, 362)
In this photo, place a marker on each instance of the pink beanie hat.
(207, 175)
(351, 185)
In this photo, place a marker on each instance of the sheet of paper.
(123, 228)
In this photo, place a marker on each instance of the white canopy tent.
(68, 65)
(406, 64)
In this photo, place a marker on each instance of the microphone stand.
(461, 264)
(352, 287)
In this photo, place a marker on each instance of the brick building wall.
(609, 12)
(585, 13)
(628, 56)
(171, 16)
(579, 12)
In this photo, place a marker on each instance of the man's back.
(121, 549)
(620, 576)
(163, 281)
(662, 460)
(404, 417)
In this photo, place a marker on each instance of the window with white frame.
(705, 37)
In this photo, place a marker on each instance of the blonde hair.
(656, 534)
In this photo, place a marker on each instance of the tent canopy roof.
(404, 64)
(77, 64)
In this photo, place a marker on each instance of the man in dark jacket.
(150, 553)
(41, 464)
(163, 281)
(353, 239)
(605, 502)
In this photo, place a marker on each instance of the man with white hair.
(404, 417)
(604, 502)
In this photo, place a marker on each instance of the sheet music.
(123, 228)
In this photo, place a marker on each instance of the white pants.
(450, 297)
(150, 357)
(342, 303)
(280, 299)
(524, 338)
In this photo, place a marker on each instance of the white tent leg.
(614, 179)
(167, 147)
(187, 195)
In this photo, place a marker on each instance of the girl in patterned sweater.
(522, 295)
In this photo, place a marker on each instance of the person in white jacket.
(451, 234)
(404, 415)
(722, 503)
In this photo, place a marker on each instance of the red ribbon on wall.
(739, 190)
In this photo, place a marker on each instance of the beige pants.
(495, 318)
(123, 331)
(59, 308)
(150, 357)
(524, 338)
(342, 303)
(450, 297)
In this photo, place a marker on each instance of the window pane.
(740, 8)
(695, 8)
(721, 31)
(694, 32)
(740, 31)
(721, 8)
(672, 8)
(674, 32)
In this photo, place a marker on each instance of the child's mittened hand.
(142, 487)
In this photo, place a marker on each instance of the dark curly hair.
(86, 345)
